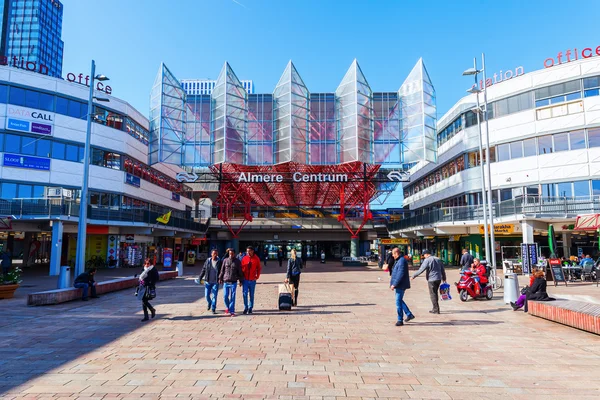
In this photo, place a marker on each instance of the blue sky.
(130, 38)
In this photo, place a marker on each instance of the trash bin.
(179, 268)
(511, 288)
(64, 277)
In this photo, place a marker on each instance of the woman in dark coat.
(294, 270)
(536, 292)
(147, 288)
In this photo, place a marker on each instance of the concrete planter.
(8, 291)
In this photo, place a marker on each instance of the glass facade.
(394, 129)
(31, 35)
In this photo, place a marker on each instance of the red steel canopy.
(587, 222)
(347, 186)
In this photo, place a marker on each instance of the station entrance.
(309, 250)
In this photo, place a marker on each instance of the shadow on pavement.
(454, 322)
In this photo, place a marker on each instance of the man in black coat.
(85, 281)
(466, 260)
(400, 282)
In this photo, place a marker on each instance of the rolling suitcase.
(285, 297)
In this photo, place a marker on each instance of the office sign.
(29, 120)
(499, 229)
(395, 241)
(175, 196)
(133, 180)
(27, 162)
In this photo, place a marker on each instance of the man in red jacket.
(251, 266)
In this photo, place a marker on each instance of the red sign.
(571, 55)
(26, 65)
(85, 80)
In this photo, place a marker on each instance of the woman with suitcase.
(294, 269)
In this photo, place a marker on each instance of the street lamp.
(476, 90)
(83, 200)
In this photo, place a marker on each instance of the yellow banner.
(395, 241)
(164, 218)
(499, 229)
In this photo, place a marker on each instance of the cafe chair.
(587, 271)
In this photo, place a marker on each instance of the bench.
(577, 314)
(58, 296)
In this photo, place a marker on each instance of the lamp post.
(475, 90)
(83, 199)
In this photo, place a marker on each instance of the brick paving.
(340, 342)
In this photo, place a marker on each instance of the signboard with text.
(499, 229)
(29, 120)
(133, 180)
(27, 162)
(395, 241)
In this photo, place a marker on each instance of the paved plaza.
(340, 342)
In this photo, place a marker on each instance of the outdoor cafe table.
(570, 270)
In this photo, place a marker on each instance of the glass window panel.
(542, 103)
(545, 144)
(573, 96)
(595, 188)
(17, 96)
(72, 153)
(32, 99)
(503, 152)
(39, 191)
(592, 92)
(46, 102)
(81, 153)
(58, 150)
(577, 140)
(548, 190)
(74, 109)
(13, 144)
(24, 191)
(516, 150)
(564, 189)
(581, 189)
(505, 194)
(529, 147)
(9, 190)
(28, 145)
(592, 82)
(561, 142)
(3, 93)
(62, 106)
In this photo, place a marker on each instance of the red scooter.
(466, 288)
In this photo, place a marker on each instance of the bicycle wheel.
(497, 282)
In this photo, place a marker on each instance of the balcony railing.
(528, 206)
(55, 208)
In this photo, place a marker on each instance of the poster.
(167, 257)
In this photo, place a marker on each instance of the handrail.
(528, 206)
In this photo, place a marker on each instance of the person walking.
(294, 269)
(231, 273)
(400, 282)
(390, 261)
(435, 275)
(84, 281)
(251, 267)
(210, 271)
(148, 279)
(265, 256)
(466, 260)
(280, 256)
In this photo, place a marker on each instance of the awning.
(587, 222)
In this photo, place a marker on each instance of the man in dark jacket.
(400, 283)
(85, 281)
(390, 262)
(210, 271)
(466, 260)
(231, 272)
(435, 275)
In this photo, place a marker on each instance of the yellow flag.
(164, 218)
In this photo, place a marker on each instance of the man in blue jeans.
(400, 282)
(231, 273)
(251, 268)
(210, 271)
(85, 281)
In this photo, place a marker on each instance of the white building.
(545, 150)
(206, 86)
(42, 136)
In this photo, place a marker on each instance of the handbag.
(385, 267)
(524, 290)
(151, 293)
(445, 292)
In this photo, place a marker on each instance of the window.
(32, 99)
(3, 94)
(62, 106)
(503, 152)
(529, 147)
(561, 142)
(74, 109)
(24, 191)
(13, 144)
(564, 189)
(58, 150)
(577, 140)
(596, 188)
(516, 150)
(43, 148)
(594, 137)
(72, 153)
(548, 190)
(558, 93)
(46, 102)
(9, 190)
(581, 189)
(505, 194)
(591, 86)
(545, 144)
(39, 191)
(17, 96)
(28, 145)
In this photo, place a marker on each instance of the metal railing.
(56, 208)
(527, 206)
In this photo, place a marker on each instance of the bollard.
(511, 288)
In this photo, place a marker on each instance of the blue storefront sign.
(27, 162)
(175, 196)
(132, 180)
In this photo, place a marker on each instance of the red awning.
(587, 222)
